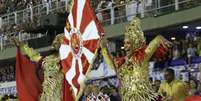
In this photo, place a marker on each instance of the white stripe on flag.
(90, 32)
(64, 51)
(70, 19)
(70, 75)
(81, 76)
(89, 55)
(80, 8)
(66, 33)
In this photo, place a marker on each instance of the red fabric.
(139, 54)
(160, 52)
(27, 82)
(67, 94)
(193, 98)
(120, 61)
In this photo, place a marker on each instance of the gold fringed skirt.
(135, 84)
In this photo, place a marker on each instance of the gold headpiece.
(58, 40)
(135, 33)
(59, 37)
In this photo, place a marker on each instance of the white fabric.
(66, 33)
(70, 75)
(191, 52)
(131, 10)
(81, 77)
(64, 51)
(70, 19)
(89, 55)
(90, 32)
(81, 4)
(102, 72)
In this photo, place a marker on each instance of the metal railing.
(27, 15)
(112, 15)
(5, 42)
(21, 16)
(125, 12)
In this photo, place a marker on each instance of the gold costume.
(134, 72)
(53, 77)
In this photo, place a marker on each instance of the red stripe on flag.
(86, 18)
(98, 24)
(75, 78)
(67, 93)
(91, 45)
(74, 13)
(66, 41)
(85, 63)
(67, 63)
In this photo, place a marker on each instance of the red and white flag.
(82, 35)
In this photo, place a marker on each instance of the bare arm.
(32, 54)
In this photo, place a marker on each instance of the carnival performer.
(133, 69)
(51, 69)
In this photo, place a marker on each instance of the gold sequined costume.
(134, 72)
(52, 85)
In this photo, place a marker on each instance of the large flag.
(27, 81)
(82, 36)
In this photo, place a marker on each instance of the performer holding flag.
(29, 78)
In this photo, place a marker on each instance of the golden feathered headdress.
(58, 40)
(135, 33)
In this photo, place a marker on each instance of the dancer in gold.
(51, 69)
(133, 69)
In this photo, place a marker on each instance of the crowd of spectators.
(114, 11)
(20, 31)
(109, 9)
(188, 47)
(7, 6)
(7, 74)
(102, 90)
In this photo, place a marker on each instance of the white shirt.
(191, 52)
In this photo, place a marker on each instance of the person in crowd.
(191, 52)
(175, 50)
(133, 72)
(183, 48)
(156, 85)
(98, 10)
(190, 37)
(194, 90)
(110, 5)
(172, 89)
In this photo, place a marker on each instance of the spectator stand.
(32, 11)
